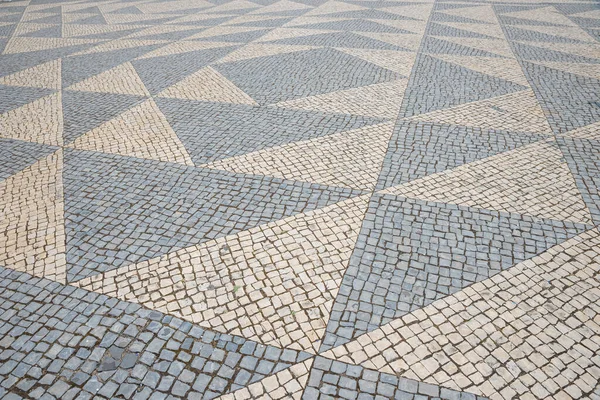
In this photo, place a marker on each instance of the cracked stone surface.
(299, 199)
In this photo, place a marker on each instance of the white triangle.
(548, 15)
(414, 26)
(232, 6)
(569, 32)
(347, 159)
(503, 68)
(380, 100)
(73, 30)
(287, 384)
(397, 61)
(24, 28)
(208, 85)
(518, 112)
(288, 33)
(416, 11)
(281, 6)
(332, 7)
(407, 41)
(119, 44)
(589, 50)
(483, 13)
(184, 47)
(46, 76)
(589, 70)
(40, 121)
(591, 132)
(496, 46)
(253, 50)
(142, 131)
(122, 79)
(482, 29)
(592, 14)
(171, 7)
(310, 20)
(274, 283)
(223, 30)
(32, 233)
(29, 44)
(531, 180)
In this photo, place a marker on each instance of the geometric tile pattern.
(530, 331)
(299, 199)
(411, 252)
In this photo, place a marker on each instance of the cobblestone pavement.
(243, 199)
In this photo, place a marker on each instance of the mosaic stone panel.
(299, 199)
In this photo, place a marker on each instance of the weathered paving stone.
(333, 199)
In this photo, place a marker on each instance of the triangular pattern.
(548, 15)
(481, 29)
(183, 47)
(565, 112)
(591, 132)
(589, 70)
(574, 33)
(433, 86)
(588, 50)
(83, 111)
(34, 194)
(122, 79)
(405, 41)
(332, 7)
(381, 100)
(278, 293)
(477, 328)
(281, 6)
(301, 173)
(519, 112)
(253, 50)
(142, 131)
(29, 44)
(207, 85)
(496, 46)
(187, 198)
(432, 250)
(40, 121)
(289, 383)
(397, 61)
(483, 13)
(532, 180)
(347, 159)
(503, 68)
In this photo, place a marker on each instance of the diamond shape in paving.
(213, 131)
(121, 210)
(289, 76)
(412, 252)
